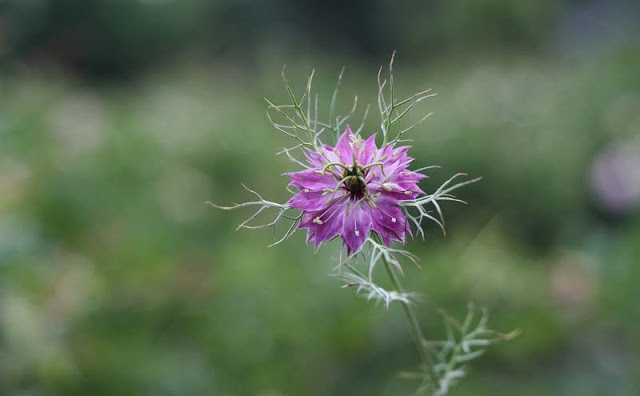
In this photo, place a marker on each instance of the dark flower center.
(354, 181)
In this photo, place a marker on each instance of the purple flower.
(353, 188)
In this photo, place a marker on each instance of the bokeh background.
(119, 119)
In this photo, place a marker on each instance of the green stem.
(418, 336)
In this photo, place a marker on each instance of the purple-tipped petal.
(309, 201)
(357, 224)
(331, 226)
(388, 219)
(368, 150)
(324, 225)
(315, 159)
(312, 180)
(348, 213)
(344, 146)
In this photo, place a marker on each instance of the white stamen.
(393, 219)
(357, 233)
(306, 190)
(318, 221)
(408, 192)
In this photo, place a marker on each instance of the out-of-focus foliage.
(116, 278)
(107, 37)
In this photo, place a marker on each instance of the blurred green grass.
(116, 278)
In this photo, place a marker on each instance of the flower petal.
(388, 219)
(332, 226)
(325, 225)
(309, 201)
(312, 180)
(357, 224)
(344, 146)
(367, 150)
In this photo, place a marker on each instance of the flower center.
(354, 181)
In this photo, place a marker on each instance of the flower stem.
(415, 327)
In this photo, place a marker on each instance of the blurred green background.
(119, 119)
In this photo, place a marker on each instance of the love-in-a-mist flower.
(367, 196)
(354, 188)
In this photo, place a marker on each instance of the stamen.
(366, 187)
(327, 218)
(330, 164)
(306, 190)
(357, 233)
(393, 219)
(380, 164)
(335, 189)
